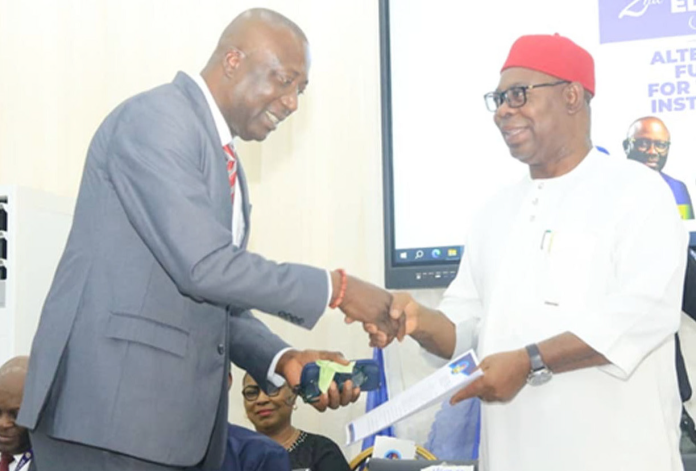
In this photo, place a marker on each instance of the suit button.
(221, 349)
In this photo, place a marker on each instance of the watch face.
(539, 377)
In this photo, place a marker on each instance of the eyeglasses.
(515, 97)
(251, 392)
(643, 144)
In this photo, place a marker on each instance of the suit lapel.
(216, 167)
(246, 207)
(199, 105)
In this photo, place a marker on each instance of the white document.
(445, 381)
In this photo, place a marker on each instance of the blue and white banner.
(629, 20)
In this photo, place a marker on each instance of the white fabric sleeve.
(462, 305)
(330, 288)
(642, 304)
(276, 379)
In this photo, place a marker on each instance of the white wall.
(315, 183)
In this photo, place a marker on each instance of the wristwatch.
(539, 373)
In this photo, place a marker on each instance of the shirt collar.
(587, 162)
(27, 455)
(220, 123)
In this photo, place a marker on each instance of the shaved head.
(648, 142)
(13, 372)
(257, 72)
(250, 30)
(15, 439)
(649, 124)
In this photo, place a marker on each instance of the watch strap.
(535, 359)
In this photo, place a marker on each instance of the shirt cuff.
(329, 288)
(273, 377)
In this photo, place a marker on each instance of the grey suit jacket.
(150, 300)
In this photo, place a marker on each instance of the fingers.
(370, 328)
(333, 356)
(399, 303)
(346, 393)
(322, 403)
(349, 393)
(388, 325)
(402, 328)
(334, 396)
(355, 394)
(472, 390)
(379, 340)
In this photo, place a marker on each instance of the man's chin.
(255, 135)
(9, 448)
(519, 154)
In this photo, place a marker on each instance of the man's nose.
(503, 111)
(6, 421)
(651, 149)
(290, 102)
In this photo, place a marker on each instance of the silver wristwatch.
(539, 373)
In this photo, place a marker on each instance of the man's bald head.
(257, 71)
(648, 142)
(13, 373)
(251, 30)
(648, 123)
(13, 438)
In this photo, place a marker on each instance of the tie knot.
(6, 458)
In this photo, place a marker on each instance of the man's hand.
(504, 375)
(367, 303)
(290, 367)
(404, 309)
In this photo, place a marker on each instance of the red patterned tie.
(5, 460)
(231, 171)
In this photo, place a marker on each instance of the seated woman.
(271, 415)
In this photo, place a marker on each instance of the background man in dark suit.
(15, 447)
(151, 298)
(648, 142)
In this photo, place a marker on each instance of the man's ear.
(232, 61)
(626, 146)
(574, 95)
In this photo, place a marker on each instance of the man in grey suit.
(151, 298)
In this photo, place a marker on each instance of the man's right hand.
(429, 327)
(292, 362)
(367, 303)
(404, 310)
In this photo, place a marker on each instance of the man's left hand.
(290, 367)
(504, 375)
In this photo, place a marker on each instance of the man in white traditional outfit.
(570, 288)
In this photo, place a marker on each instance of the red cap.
(553, 55)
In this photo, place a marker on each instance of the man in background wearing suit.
(648, 142)
(151, 298)
(15, 447)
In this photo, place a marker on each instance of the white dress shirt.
(238, 226)
(599, 252)
(19, 458)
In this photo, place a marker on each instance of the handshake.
(384, 315)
